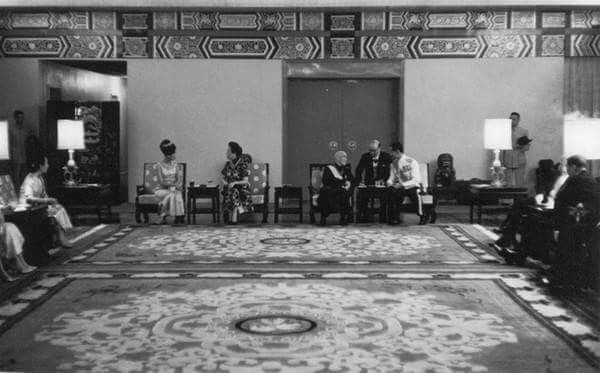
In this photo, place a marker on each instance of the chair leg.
(265, 215)
(146, 218)
(312, 216)
(138, 217)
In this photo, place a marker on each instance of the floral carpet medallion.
(433, 244)
(339, 329)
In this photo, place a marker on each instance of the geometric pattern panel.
(585, 45)
(178, 47)
(522, 19)
(165, 21)
(268, 21)
(135, 21)
(553, 19)
(312, 21)
(342, 48)
(373, 21)
(585, 18)
(386, 47)
(70, 46)
(448, 47)
(90, 46)
(239, 47)
(50, 46)
(104, 21)
(135, 47)
(301, 48)
(553, 45)
(503, 46)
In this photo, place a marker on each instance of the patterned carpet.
(451, 244)
(115, 306)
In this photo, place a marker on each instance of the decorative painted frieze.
(312, 21)
(447, 20)
(386, 47)
(302, 48)
(585, 18)
(135, 21)
(51, 46)
(239, 47)
(506, 46)
(448, 47)
(373, 21)
(164, 20)
(179, 47)
(90, 46)
(343, 22)
(30, 20)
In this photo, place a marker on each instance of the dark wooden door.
(326, 115)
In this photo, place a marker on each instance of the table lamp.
(4, 149)
(70, 137)
(497, 135)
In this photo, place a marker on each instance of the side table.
(366, 196)
(83, 197)
(203, 192)
(480, 191)
(288, 192)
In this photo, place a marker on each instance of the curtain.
(582, 91)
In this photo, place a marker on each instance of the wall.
(20, 80)
(201, 105)
(446, 102)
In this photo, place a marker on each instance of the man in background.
(515, 160)
(18, 156)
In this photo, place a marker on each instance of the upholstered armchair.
(145, 200)
(258, 178)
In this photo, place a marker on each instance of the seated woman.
(236, 188)
(33, 190)
(11, 248)
(336, 192)
(169, 192)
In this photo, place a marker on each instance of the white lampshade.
(582, 137)
(4, 150)
(70, 134)
(497, 134)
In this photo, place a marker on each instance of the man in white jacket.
(404, 181)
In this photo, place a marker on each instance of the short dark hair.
(36, 161)
(515, 113)
(577, 161)
(18, 112)
(235, 148)
(167, 147)
(397, 146)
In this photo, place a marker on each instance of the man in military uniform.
(404, 181)
(515, 160)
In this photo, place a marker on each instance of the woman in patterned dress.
(33, 190)
(11, 247)
(236, 188)
(170, 185)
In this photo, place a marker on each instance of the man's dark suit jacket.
(580, 188)
(381, 172)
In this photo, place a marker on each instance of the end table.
(211, 192)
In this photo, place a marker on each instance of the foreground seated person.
(33, 190)
(236, 186)
(575, 191)
(404, 181)
(11, 248)
(169, 192)
(336, 193)
(375, 165)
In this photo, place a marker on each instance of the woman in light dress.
(170, 185)
(11, 248)
(33, 190)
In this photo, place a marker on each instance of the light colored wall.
(447, 101)
(20, 89)
(201, 105)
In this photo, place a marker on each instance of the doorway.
(334, 113)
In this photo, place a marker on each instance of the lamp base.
(70, 175)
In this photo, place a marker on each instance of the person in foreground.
(170, 187)
(33, 190)
(404, 181)
(11, 248)
(336, 193)
(236, 187)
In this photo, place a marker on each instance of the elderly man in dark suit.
(373, 168)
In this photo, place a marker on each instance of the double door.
(327, 115)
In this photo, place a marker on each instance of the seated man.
(336, 192)
(375, 165)
(404, 181)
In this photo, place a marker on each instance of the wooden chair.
(145, 200)
(315, 185)
(258, 177)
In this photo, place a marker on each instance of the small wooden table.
(84, 197)
(480, 191)
(211, 192)
(367, 195)
(33, 224)
(288, 192)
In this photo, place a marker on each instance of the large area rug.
(451, 244)
(99, 323)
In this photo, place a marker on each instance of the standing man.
(515, 160)
(17, 136)
(404, 181)
(376, 168)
